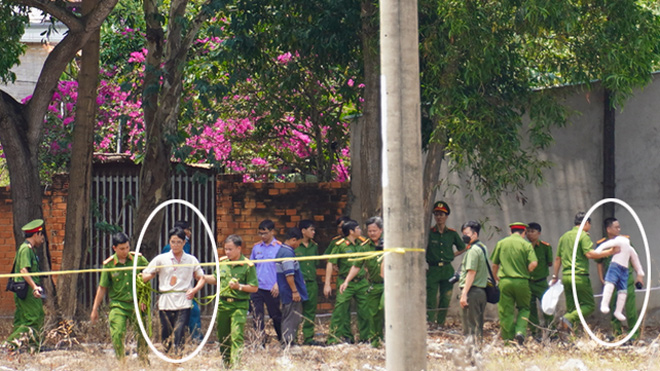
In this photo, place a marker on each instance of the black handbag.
(20, 288)
(492, 291)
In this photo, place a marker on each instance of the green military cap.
(441, 206)
(518, 226)
(33, 226)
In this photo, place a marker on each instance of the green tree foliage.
(485, 65)
(12, 28)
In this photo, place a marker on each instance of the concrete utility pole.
(405, 293)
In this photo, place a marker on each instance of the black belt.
(231, 300)
(539, 280)
(440, 264)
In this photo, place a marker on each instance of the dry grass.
(445, 348)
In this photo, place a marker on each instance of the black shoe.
(520, 338)
(314, 343)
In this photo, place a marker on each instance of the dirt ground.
(88, 348)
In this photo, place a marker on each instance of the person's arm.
(292, 284)
(469, 280)
(555, 274)
(275, 291)
(634, 259)
(351, 274)
(327, 288)
(599, 266)
(593, 254)
(210, 279)
(200, 283)
(36, 290)
(146, 277)
(531, 266)
(496, 267)
(100, 294)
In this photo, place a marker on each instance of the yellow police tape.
(355, 255)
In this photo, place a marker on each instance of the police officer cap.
(441, 206)
(33, 226)
(518, 226)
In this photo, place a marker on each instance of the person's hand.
(37, 292)
(463, 301)
(296, 296)
(640, 280)
(190, 294)
(554, 280)
(343, 287)
(327, 290)
(275, 291)
(94, 316)
(234, 285)
(615, 250)
(143, 307)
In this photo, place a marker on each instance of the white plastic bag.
(551, 298)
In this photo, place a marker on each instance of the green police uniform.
(375, 292)
(233, 307)
(513, 254)
(340, 322)
(439, 255)
(29, 314)
(308, 268)
(122, 310)
(473, 316)
(585, 293)
(538, 283)
(631, 300)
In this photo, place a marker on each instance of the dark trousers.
(258, 299)
(173, 323)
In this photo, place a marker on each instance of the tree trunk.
(80, 175)
(369, 178)
(432, 166)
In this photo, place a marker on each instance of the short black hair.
(267, 224)
(235, 239)
(119, 238)
(534, 225)
(342, 219)
(377, 220)
(304, 224)
(183, 224)
(608, 222)
(294, 233)
(579, 217)
(176, 231)
(349, 226)
(473, 225)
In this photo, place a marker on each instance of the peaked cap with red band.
(441, 206)
(33, 226)
(518, 226)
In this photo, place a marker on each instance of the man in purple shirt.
(267, 276)
(292, 286)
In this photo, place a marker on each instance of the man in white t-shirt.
(175, 275)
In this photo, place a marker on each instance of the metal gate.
(114, 203)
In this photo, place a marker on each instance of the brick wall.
(54, 210)
(242, 206)
(240, 209)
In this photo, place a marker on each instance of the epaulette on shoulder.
(365, 242)
(277, 242)
(249, 262)
(134, 253)
(340, 241)
(601, 241)
(108, 260)
(434, 229)
(223, 258)
(626, 236)
(545, 243)
(451, 229)
(362, 239)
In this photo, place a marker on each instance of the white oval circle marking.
(217, 267)
(648, 270)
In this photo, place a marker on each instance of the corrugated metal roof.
(36, 30)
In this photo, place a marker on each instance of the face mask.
(466, 238)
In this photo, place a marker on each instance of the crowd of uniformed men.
(520, 263)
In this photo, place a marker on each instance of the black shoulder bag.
(492, 291)
(20, 288)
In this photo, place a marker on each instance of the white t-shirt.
(174, 278)
(626, 254)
